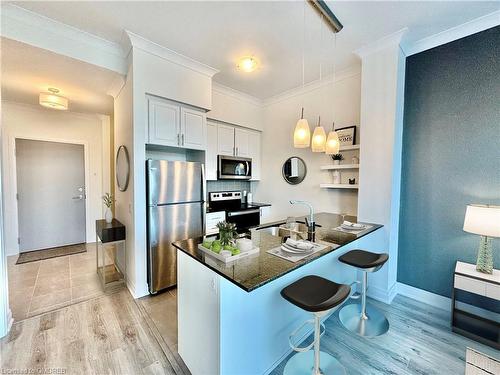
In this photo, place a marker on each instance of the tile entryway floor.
(48, 284)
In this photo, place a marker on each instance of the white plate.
(349, 227)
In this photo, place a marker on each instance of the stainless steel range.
(244, 215)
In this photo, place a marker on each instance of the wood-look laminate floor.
(105, 335)
(419, 342)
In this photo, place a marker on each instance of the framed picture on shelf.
(347, 135)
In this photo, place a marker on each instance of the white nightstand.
(466, 323)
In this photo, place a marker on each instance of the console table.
(111, 253)
(468, 323)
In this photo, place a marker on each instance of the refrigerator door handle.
(203, 198)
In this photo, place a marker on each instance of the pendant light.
(319, 138)
(302, 132)
(332, 142)
(319, 135)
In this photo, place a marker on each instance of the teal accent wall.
(451, 156)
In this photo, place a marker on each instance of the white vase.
(336, 177)
(336, 162)
(108, 215)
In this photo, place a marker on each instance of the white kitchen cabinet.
(164, 123)
(225, 141)
(211, 154)
(173, 124)
(193, 129)
(255, 153)
(241, 142)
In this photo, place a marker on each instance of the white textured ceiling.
(27, 71)
(217, 33)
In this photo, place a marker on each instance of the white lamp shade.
(318, 139)
(302, 134)
(53, 101)
(332, 143)
(482, 219)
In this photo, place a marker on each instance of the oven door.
(244, 219)
(234, 168)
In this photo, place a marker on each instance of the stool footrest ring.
(297, 330)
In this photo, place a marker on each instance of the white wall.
(33, 122)
(280, 116)
(383, 71)
(234, 107)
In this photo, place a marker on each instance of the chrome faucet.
(310, 223)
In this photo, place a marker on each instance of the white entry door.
(51, 194)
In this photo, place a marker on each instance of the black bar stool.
(365, 320)
(318, 296)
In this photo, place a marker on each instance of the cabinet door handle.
(178, 139)
(234, 151)
(237, 151)
(182, 139)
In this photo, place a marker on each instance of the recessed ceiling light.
(52, 100)
(248, 64)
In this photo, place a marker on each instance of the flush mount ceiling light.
(248, 64)
(52, 100)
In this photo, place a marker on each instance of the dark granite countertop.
(243, 206)
(259, 269)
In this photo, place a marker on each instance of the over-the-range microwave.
(234, 168)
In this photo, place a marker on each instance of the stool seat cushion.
(314, 293)
(363, 259)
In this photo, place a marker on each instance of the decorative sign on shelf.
(347, 135)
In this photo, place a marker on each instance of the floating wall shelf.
(347, 148)
(339, 166)
(338, 186)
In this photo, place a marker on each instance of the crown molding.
(42, 32)
(391, 40)
(132, 40)
(228, 91)
(472, 27)
(352, 71)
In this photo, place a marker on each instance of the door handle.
(178, 139)
(182, 139)
(78, 197)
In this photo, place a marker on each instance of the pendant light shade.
(302, 133)
(318, 138)
(332, 143)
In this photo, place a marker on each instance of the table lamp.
(483, 220)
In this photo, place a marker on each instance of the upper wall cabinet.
(225, 143)
(171, 124)
(242, 142)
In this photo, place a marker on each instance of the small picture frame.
(347, 135)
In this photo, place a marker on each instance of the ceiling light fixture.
(302, 132)
(52, 100)
(319, 135)
(318, 138)
(248, 64)
(332, 142)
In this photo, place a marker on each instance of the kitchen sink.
(296, 231)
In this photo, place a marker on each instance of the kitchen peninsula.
(231, 317)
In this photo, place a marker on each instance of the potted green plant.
(108, 200)
(337, 158)
(227, 233)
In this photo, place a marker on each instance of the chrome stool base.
(375, 323)
(302, 364)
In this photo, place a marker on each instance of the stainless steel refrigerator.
(176, 211)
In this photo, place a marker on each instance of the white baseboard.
(424, 296)
(381, 294)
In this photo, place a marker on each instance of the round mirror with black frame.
(122, 168)
(294, 170)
